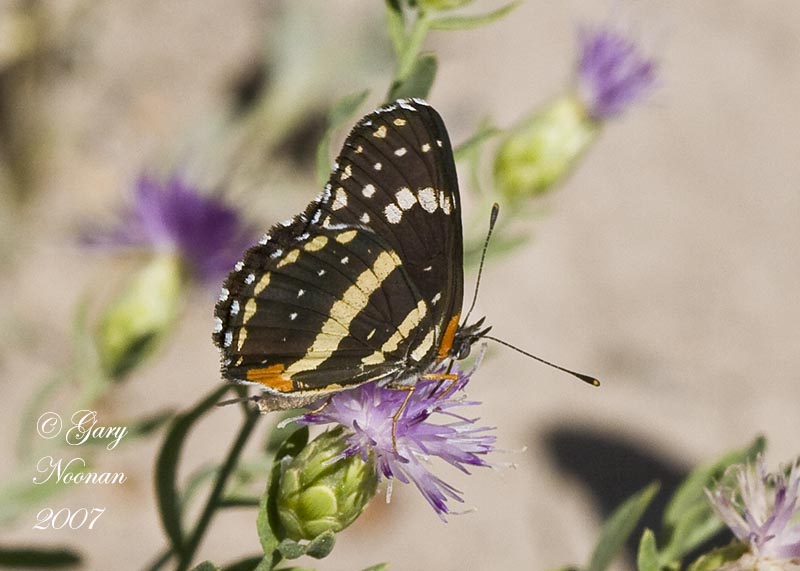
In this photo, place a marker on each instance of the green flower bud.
(316, 495)
(138, 319)
(543, 149)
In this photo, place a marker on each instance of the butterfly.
(366, 285)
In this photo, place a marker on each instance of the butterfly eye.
(463, 351)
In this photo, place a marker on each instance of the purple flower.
(761, 509)
(368, 412)
(612, 72)
(174, 216)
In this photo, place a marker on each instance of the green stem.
(214, 498)
(413, 45)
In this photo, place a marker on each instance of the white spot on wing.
(238, 267)
(365, 218)
(393, 214)
(321, 273)
(369, 190)
(405, 198)
(426, 147)
(235, 307)
(223, 294)
(293, 316)
(345, 259)
(300, 292)
(404, 104)
(444, 200)
(341, 199)
(436, 298)
(427, 199)
(228, 338)
(276, 254)
(400, 152)
(250, 279)
(264, 239)
(377, 166)
(217, 325)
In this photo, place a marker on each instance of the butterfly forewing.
(363, 285)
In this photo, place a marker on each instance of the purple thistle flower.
(761, 509)
(612, 72)
(206, 233)
(368, 412)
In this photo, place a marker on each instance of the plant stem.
(214, 498)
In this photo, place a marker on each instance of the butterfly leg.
(410, 391)
(449, 378)
(321, 407)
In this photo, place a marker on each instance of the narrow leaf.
(340, 114)
(169, 500)
(419, 81)
(38, 558)
(647, 558)
(247, 564)
(206, 566)
(377, 567)
(619, 527)
(468, 22)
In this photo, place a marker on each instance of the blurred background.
(667, 265)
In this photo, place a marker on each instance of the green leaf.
(322, 545)
(340, 114)
(419, 80)
(697, 525)
(267, 563)
(270, 530)
(468, 22)
(169, 499)
(619, 527)
(38, 557)
(246, 564)
(692, 489)
(377, 567)
(206, 566)
(647, 558)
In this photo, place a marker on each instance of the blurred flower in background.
(368, 413)
(192, 238)
(612, 73)
(174, 217)
(763, 511)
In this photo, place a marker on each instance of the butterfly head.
(466, 336)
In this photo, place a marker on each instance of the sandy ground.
(667, 265)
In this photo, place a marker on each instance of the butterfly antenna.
(585, 378)
(492, 222)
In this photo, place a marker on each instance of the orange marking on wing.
(449, 336)
(271, 377)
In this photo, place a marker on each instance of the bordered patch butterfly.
(366, 285)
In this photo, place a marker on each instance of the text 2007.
(47, 518)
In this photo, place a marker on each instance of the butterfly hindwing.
(334, 307)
